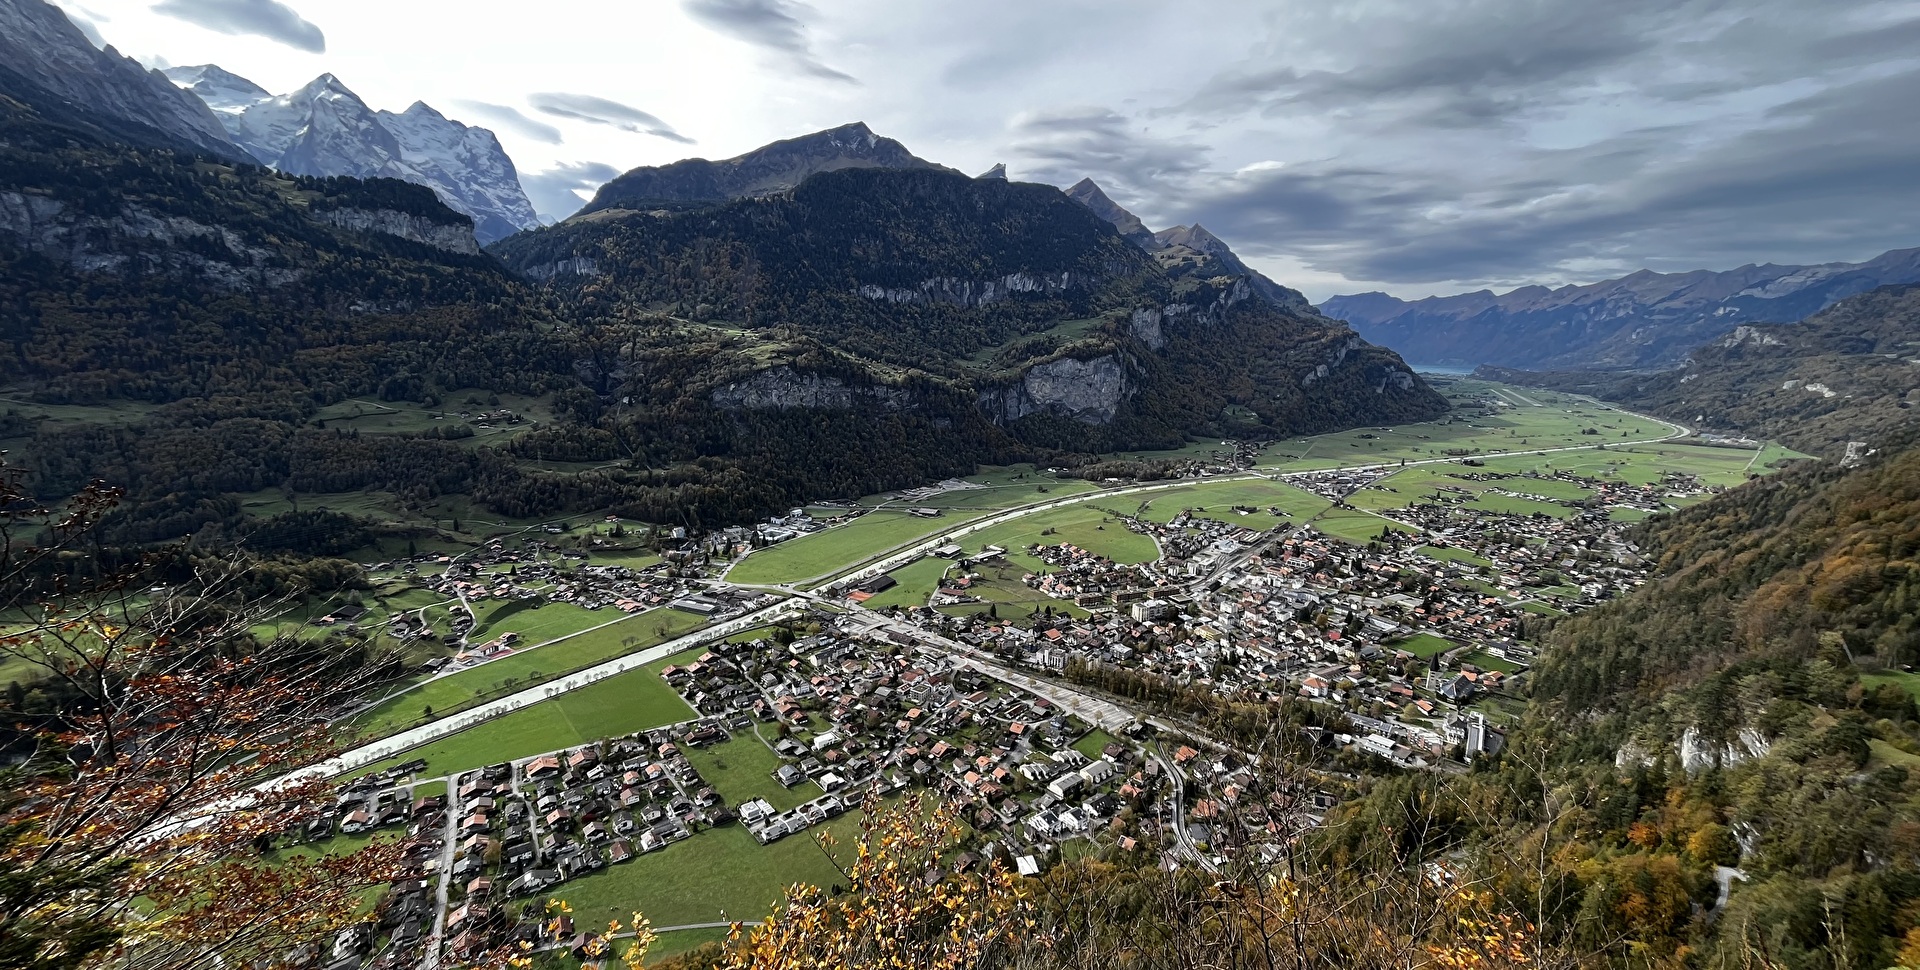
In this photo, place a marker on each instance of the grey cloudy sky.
(1414, 146)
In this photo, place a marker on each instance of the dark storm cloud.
(511, 118)
(263, 18)
(772, 24)
(1066, 145)
(600, 111)
(555, 193)
(1829, 177)
(1548, 139)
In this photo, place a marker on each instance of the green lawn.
(915, 582)
(832, 550)
(621, 704)
(719, 869)
(1425, 645)
(1095, 741)
(742, 769)
(1487, 661)
(1911, 682)
(526, 668)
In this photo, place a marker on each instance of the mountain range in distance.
(1642, 321)
(326, 129)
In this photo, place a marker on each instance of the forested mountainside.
(1643, 320)
(1732, 712)
(922, 295)
(1844, 374)
(724, 363)
(767, 170)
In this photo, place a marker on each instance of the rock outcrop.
(784, 387)
(452, 237)
(46, 61)
(977, 293)
(1088, 391)
(96, 243)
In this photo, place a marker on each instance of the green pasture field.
(525, 668)
(1080, 524)
(721, 870)
(1557, 422)
(622, 704)
(536, 623)
(1000, 590)
(1450, 554)
(742, 769)
(1219, 498)
(1353, 525)
(675, 943)
(833, 550)
(916, 582)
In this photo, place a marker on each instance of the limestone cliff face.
(976, 293)
(452, 237)
(1385, 373)
(1148, 324)
(96, 244)
(1089, 391)
(784, 387)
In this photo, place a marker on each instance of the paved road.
(434, 730)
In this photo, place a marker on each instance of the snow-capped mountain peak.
(222, 90)
(324, 128)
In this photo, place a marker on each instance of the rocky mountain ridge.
(47, 62)
(326, 129)
(1190, 249)
(767, 170)
(1646, 319)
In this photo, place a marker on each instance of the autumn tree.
(137, 818)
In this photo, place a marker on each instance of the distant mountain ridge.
(1180, 248)
(1646, 319)
(767, 170)
(46, 62)
(326, 129)
(1847, 373)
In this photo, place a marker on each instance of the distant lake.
(1456, 370)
